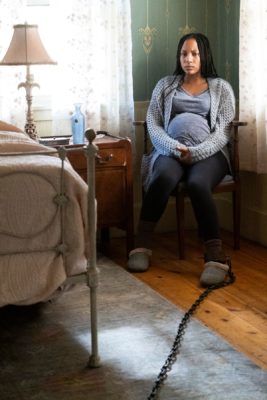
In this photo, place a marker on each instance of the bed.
(47, 224)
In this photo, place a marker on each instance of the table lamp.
(26, 48)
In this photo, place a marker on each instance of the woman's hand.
(185, 156)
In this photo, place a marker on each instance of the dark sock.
(144, 235)
(213, 251)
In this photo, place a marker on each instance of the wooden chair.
(230, 183)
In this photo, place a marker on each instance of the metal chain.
(162, 376)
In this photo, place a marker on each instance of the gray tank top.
(189, 117)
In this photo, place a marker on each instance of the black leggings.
(200, 179)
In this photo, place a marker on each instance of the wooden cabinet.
(114, 183)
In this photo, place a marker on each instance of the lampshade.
(26, 47)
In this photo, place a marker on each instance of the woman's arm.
(161, 141)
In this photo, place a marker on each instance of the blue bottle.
(77, 125)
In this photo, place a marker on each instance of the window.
(253, 85)
(91, 42)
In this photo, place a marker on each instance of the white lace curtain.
(12, 102)
(253, 85)
(91, 42)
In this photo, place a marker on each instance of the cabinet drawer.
(111, 157)
(77, 159)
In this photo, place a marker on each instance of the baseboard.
(253, 221)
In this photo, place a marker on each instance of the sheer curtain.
(91, 42)
(253, 85)
(95, 62)
(12, 101)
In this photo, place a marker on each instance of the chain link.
(162, 376)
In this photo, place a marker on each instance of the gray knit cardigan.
(222, 112)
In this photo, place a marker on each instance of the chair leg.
(180, 224)
(236, 218)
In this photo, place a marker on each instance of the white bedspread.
(39, 246)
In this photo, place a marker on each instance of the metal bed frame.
(90, 276)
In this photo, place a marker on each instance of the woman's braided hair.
(208, 69)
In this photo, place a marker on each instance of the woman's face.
(190, 58)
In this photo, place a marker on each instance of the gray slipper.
(139, 260)
(214, 273)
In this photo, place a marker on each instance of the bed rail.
(92, 270)
(92, 273)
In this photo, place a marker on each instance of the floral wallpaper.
(157, 26)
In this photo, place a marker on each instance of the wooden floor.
(237, 312)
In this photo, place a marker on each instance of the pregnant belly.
(189, 129)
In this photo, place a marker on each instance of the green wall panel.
(157, 26)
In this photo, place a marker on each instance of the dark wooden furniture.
(231, 183)
(114, 183)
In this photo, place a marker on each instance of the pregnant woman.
(188, 120)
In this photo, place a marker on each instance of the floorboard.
(237, 313)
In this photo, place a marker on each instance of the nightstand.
(114, 184)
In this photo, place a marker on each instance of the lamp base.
(31, 130)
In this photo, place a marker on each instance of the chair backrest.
(233, 147)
